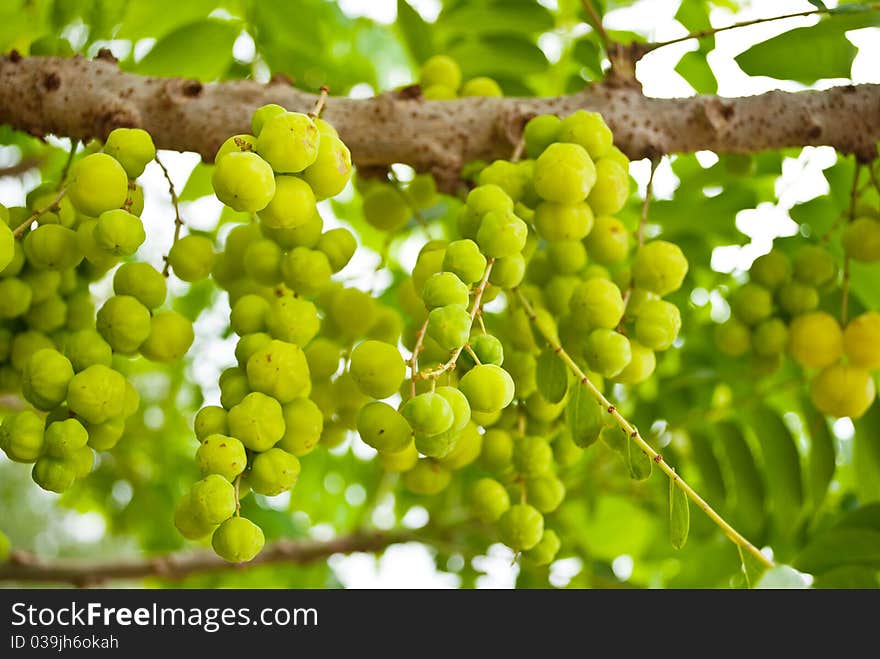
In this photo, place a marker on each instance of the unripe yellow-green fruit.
(378, 368)
(545, 551)
(288, 142)
(489, 499)
(861, 239)
(521, 527)
(257, 421)
(132, 147)
(21, 436)
(97, 394)
(427, 477)
(45, 379)
(861, 341)
(488, 388)
(192, 258)
(279, 370)
(481, 86)
(273, 472)
(124, 323)
(815, 339)
(244, 182)
(440, 70)
(385, 208)
(589, 130)
(262, 114)
(98, 183)
(660, 267)
(221, 455)
(303, 424)
(171, 335)
(238, 540)
(292, 206)
(331, 170)
(841, 390)
(7, 245)
(53, 247)
(564, 173)
(53, 474)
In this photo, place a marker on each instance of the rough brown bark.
(81, 98)
(27, 568)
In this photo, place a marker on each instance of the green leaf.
(416, 33)
(679, 515)
(505, 17)
(848, 576)
(584, 417)
(822, 459)
(747, 484)
(818, 4)
(158, 17)
(639, 463)
(806, 54)
(752, 567)
(694, 68)
(866, 455)
(782, 576)
(840, 546)
(711, 480)
(782, 463)
(201, 50)
(551, 375)
(498, 55)
(198, 184)
(587, 53)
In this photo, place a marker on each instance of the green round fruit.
(171, 336)
(97, 394)
(210, 420)
(141, 281)
(539, 133)
(814, 265)
(657, 324)
(378, 368)
(815, 339)
(323, 356)
(385, 208)
(611, 190)
(213, 499)
(288, 142)
(770, 337)
(279, 370)
(188, 522)
(248, 314)
(861, 239)
(521, 527)
(257, 421)
(119, 232)
(497, 452)
(7, 245)
(545, 551)
(796, 298)
(331, 170)
(124, 323)
(771, 270)
(64, 438)
(861, 341)
(97, 183)
(22, 436)
(383, 427)
(45, 379)
(489, 499)
(244, 182)
(532, 456)
(53, 474)
(546, 493)
(427, 477)
(15, 298)
(399, 461)
(293, 319)
(449, 326)
(660, 267)
(235, 144)
(488, 388)
(338, 245)
(501, 233)
(238, 540)
(306, 271)
(481, 86)
(429, 414)
(53, 247)
(640, 367)
(262, 114)
(589, 130)
(303, 425)
(463, 259)
(752, 303)
(444, 288)
(440, 70)
(564, 173)
(607, 352)
(292, 206)
(841, 390)
(608, 242)
(132, 147)
(273, 472)
(192, 258)
(596, 303)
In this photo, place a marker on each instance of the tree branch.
(25, 567)
(81, 98)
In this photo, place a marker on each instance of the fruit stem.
(21, 228)
(851, 215)
(320, 103)
(178, 222)
(632, 432)
(74, 143)
(596, 22)
(475, 311)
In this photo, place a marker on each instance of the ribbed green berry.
(427, 477)
(21, 436)
(171, 336)
(53, 474)
(814, 265)
(508, 271)
(213, 499)
(248, 314)
(607, 352)
(188, 523)
(292, 206)
(63, 438)
(608, 242)
(289, 142)
(440, 70)
(15, 298)
(249, 344)
(192, 258)
(444, 288)
(796, 298)
(141, 281)
(119, 232)
(257, 421)
(238, 540)
(539, 133)
(545, 493)
(488, 388)
(860, 239)
(210, 420)
(234, 386)
(501, 233)
(611, 190)
(303, 424)
(555, 221)
(545, 551)
(293, 320)
(640, 367)
(463, 259)
(532, 456)
(323, 356)
(733, 338)
(53, 247)
(7, 245)
(262, 114)
(429, 414)
(399, 461)
(521, 527)
(331, 170)
(273, 472)
(659, 266)
(449, 326)
(488, 349)
(306, 271)
(338, 245)
(385, 208)
(497, 451)
(596, 303)
(770, 337)
(378, 368)
(771, 270)
(244, 182)
(489, 499)
(564, 173)
(589, 130)
(383, 427)
(97, 394)
(45, 379)
(657, 324)
(97, 183)
(279, 370)
(132, 147)
(751, 303)
(124, 323)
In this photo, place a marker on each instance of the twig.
(596, 22)
(178, 222)
(632, 432)
(646, 204)
(519, 148)
(74, 143)
(475, 311)
(320, 103)
(52, 205)
(24, 567)
(851, 214)
(414, 360)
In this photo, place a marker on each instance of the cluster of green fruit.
(272, 270)
(54, 349)
(441, 80)
(543, 227)
(777, 312)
